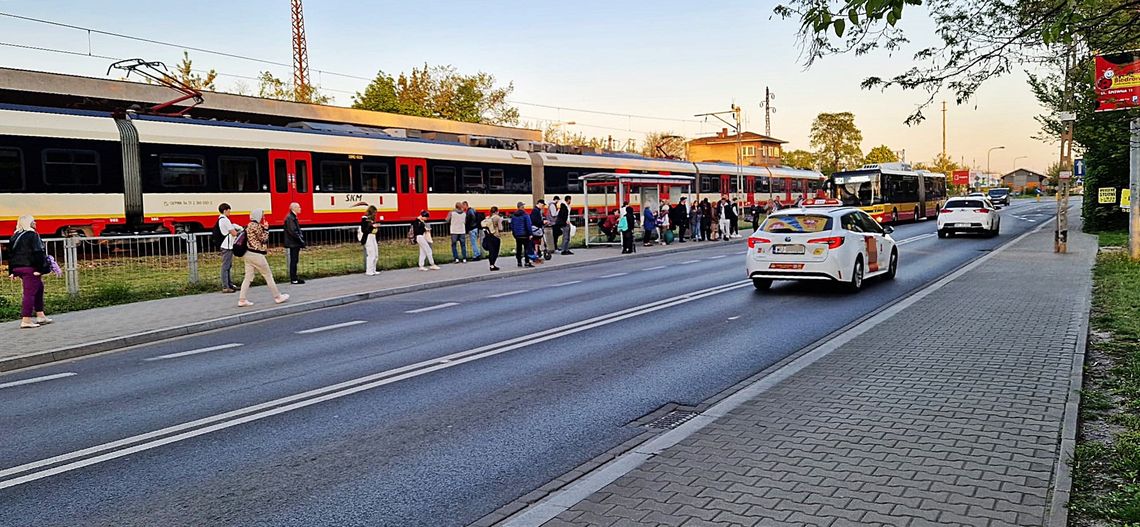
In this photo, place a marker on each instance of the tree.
(881, 154)
(941, 164)
(837, 141)
(800, 159)
(184, 73)
(440, 91)
(271, 87)
(663, 144)
(979, 39)
(553, 133)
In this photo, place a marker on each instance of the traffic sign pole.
(1134, 185)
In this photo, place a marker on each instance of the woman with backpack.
(492, 226)
(255, 239)
(421, 234)
(626, 224)
(29, 262)
(368, 240)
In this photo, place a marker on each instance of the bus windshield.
(858, 189)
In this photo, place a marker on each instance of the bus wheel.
(916, 217)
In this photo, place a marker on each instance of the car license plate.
(787, 249)
(785, 266)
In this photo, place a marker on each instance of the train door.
(750, 190)
(411, 175)
(725, 185)
(291, 175)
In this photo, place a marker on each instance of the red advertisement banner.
(961, 177)
(1117, 81)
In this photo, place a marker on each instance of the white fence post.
(192, 255)
(71, 265)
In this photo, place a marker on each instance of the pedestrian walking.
(472, 226)
(225, 232)
(722, 222)
(562, 225)
(257, 246)
(492, 226)
(28, 262)
(549, 232)
(457, 228)
(368, 230)
(648, 226)
(707, 220)
(521, 229)
(732, 212)
(422, 236)
(294, 242)
(626, 225)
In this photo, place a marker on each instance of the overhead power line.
(599, 112)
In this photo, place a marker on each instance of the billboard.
(1117, 81)
(960, 177)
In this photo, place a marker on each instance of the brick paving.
(80, 328)
(948, 413)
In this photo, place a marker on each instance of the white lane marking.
(654, 268)
(916, 238)
(332, 327)
(742, 252)
(734, 318)
(509, 293)
(562, 500)
(572, 282)
(690, 262)
(34, 380)
(336, 391)
(197, 351)
(614, 275)
(718, 257)
(432, 308)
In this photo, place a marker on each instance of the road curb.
(146, 337)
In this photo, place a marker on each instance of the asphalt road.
(430, 408)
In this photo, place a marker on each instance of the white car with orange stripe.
(843, 245)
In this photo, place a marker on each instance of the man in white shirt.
(229, 233)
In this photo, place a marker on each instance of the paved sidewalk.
(96, 330)
(951, 412)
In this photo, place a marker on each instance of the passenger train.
(93, 173)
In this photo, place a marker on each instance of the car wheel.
(996, 230)
(856, 282)
(942, 234)
(762, 284)
(893, 266)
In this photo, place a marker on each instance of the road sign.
(1125, 198)
(1079, 168)
(961, 177)
(1106, 195)
(1065, 175)
(1067, 116)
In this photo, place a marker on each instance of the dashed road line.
(332, 327)
(916, 238)
(734, 318)
(654, 268)
(432, 308)
(614, 275)
(34, 380)
(510, 293)
(572, 282)
(197, 351)
(717, 257)
(690, 262)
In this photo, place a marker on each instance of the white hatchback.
(842, 245)
(968, 214)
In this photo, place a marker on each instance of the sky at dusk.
(665, 58)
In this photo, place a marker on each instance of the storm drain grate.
(671, 420)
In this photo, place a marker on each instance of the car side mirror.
(888, 229)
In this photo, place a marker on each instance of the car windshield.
(999, 192)
(965, 204)
(795, 223)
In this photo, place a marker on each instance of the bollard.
(71, 265)
(191, 255)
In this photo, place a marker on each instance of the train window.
(710, 184)
(302, 175)
(797, 185)
(281, 175)
(181, 171)
(420, 188)
(336, 176)
(473, 180)
(779, 185)
(11, 170)
(238, 174)
(71, 167)
(764, 184)
(733, 184)
(442, 180)
(572, 182)
(495, 179)
(374, 177)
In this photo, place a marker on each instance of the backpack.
(240, 245)
(412, 233)
(216, 235)
(623, 224)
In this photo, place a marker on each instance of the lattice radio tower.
(301, 85)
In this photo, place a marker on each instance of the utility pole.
(302, 90)
(768, 110)
(944, 130)
(735, 124)
(1134, 185)
(1061, 235)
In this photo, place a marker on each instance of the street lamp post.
(988, 152)
(1015, 161)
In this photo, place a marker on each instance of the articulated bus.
(891, 192)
